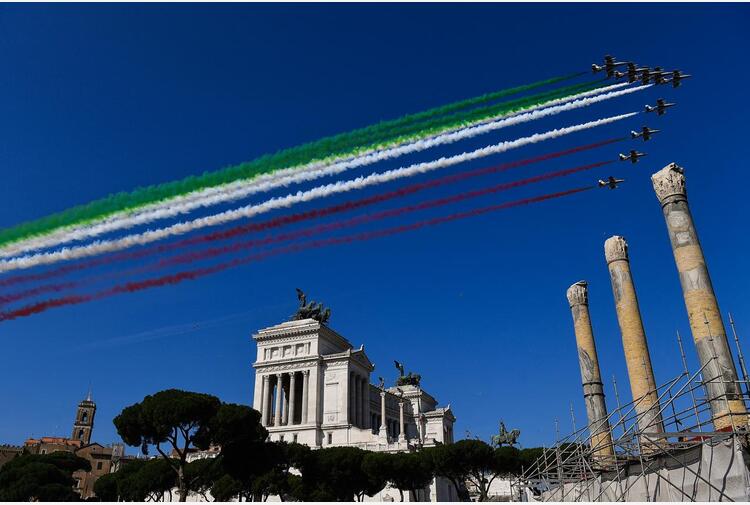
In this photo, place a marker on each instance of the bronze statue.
(312, 310)
(505, 437)
(410, 379)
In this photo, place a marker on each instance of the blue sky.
(96, 99)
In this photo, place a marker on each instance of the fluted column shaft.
(402, 430)
(277, 410)
(364, 402)
(305, 394)
(593, 392)
(292, 396)
(637, 356)
(706, 324)
(357, 400)
(382, 414)
(264, 400)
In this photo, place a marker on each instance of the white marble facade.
(313, 387)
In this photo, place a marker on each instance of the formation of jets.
(631, 71)
(645, 75)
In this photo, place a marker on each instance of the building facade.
(103, 459)
(313, 387)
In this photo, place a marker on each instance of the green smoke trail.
(397, 131)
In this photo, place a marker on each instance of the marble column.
(401, 430)
(706, 324)
(365, 402)
(292, 396)
(264, 401)
(593, 392)
(305, 394)
(637, 356)
(285, 402)
(352, 398)
(277, 410)
(382, 431)
(357, 399)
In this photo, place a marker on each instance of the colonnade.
(359, 400)
(285, 398)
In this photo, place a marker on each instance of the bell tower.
(84, 421)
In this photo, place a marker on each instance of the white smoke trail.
(285, 177)
(248, 211)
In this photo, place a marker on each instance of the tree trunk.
(181, 484)
(401, 493)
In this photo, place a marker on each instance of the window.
(84, 417)
(330, 438)
(281, 438)
(99, 465)
(80, 434)
(294, 438)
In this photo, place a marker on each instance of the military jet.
(660, 108)
(609, 66)
(633, 156)
(610, 183)
(658, 75)
(677, 78)
(631, 73)
(645, 132)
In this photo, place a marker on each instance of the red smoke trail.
(132, 287)
(295, 218)
(307, 232)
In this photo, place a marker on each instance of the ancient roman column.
(305, 394)
(402, 431)
(277, 410)
(719, 374)
(264, 400)
(593, 392)
(637, 357)
(292, 396)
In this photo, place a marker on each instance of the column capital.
(578, 294)
(669, 182)
(615, 248)
(306, 372)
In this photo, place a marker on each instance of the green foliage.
(410, 472)
(44, 477)
(334, 474)
(226, 488)
(383, 134)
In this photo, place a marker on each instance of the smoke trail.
(132, 287)
(242, 189)
(291, 199)
(299, 217)
(312, 231)
(324, 150)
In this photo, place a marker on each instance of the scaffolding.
(688, 461)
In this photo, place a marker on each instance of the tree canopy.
(42, 477)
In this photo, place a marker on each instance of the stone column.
(305, 394)
(382, 431)
(719, 374)
(593, 392)
(352, 398)
(284, 403)
(357, 400)
(264, 400)
(637, 356)
(365, 402)
(401, 430)
(292, 396)
(277, 410)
